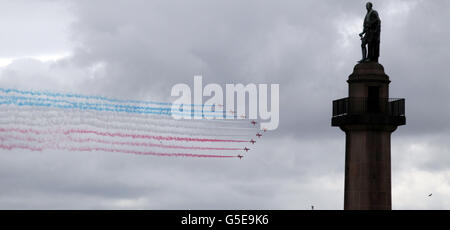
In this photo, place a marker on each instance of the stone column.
(368, 120)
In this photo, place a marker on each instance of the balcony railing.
(354, 106)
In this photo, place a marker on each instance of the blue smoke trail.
(44, 102)
(101, 105)
(70, 95)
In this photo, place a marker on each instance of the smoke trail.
(90, 149)
(118, 107)
(142, 118)
(79, 96)
(10, 147)
(103, 106)
(153, 153)
(119, 143)
(145, 136)
(76, 122)
(152, 145)
(117, 121)
(118, 127)
(119, 134)
(149, 128)
(42, 103)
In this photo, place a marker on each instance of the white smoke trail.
(134, 118)
(119, 122)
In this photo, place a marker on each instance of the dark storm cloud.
(140, 49)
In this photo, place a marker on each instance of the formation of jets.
(258, 134)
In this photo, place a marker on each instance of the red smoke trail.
(151, 153)
(87, 149)
(9, 147)
(82, 140)
(29, 139)
(23, 131)
(149, 144)
(144, 136)
(134, 136)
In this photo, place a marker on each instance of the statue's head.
(369, 6)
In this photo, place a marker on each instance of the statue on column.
(370, 36)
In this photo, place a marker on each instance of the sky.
(139, 49)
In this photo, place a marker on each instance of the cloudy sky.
(140, 49)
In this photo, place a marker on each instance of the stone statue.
(370, 36)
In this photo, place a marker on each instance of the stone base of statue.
(368, 117)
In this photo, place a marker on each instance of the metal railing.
(354, 105)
